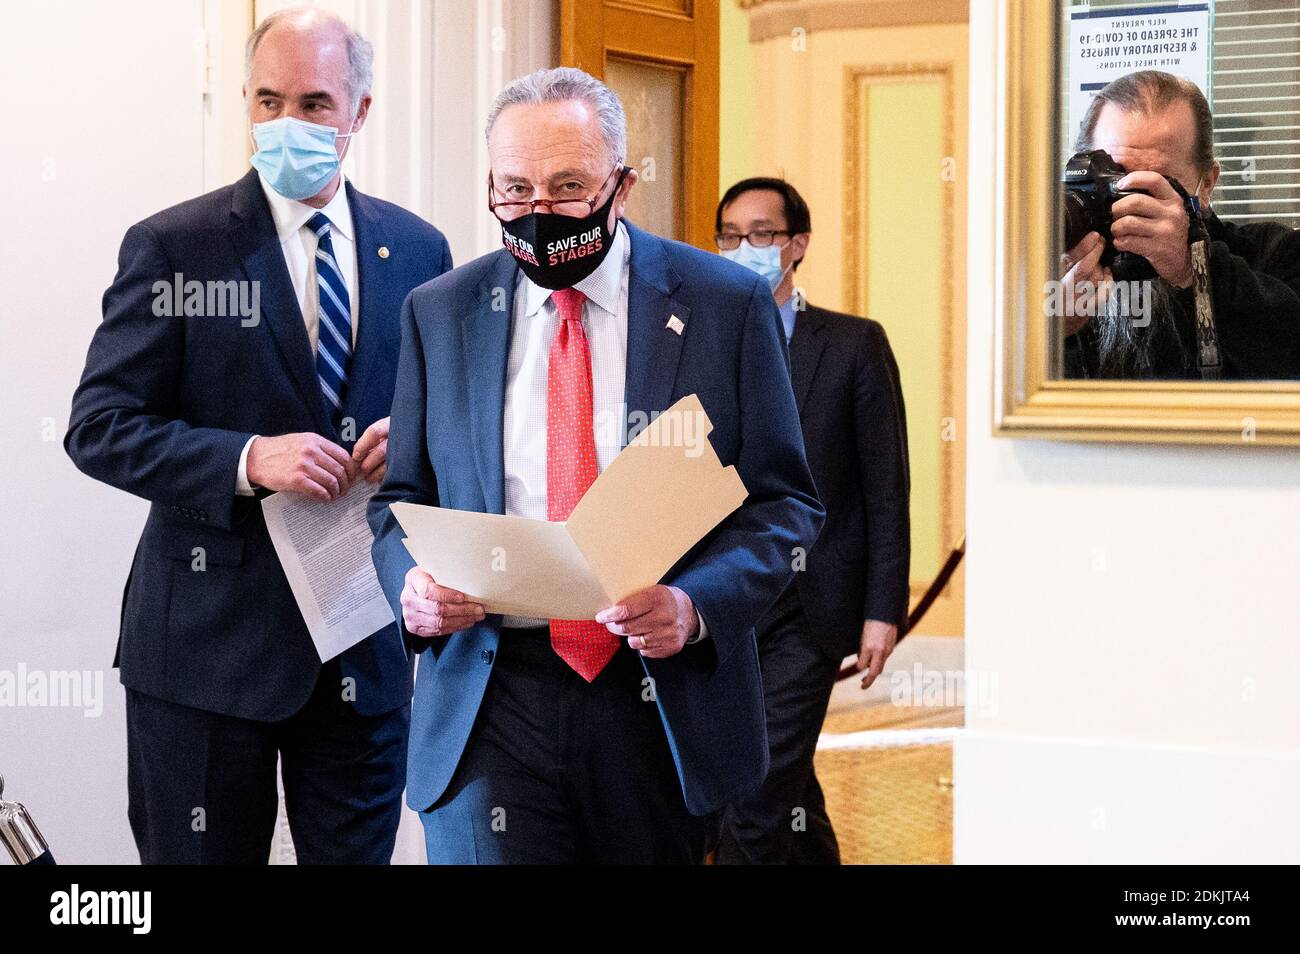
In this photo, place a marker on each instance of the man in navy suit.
(616, 739)
(249, 345)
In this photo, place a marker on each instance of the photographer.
(1157, 125)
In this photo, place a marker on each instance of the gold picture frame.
(1028, 400)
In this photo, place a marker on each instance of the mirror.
(1151, 251)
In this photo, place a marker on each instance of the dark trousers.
(202, 786)
(785, 821)
(561, 771)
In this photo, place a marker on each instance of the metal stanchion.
(20, 835)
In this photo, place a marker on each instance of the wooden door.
(661, 57)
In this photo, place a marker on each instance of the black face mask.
(558, 251)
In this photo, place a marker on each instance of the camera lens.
(1076, 219)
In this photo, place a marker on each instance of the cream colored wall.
(736, 97)
(910, 269)
(903, 282)
(802, 92)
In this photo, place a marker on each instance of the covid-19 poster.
(1108, 42)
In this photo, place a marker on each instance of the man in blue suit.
(249, 345)
(616, 739)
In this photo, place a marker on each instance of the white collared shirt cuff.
(702, 635)
(242, 487)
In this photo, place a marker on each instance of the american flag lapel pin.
(675, 324)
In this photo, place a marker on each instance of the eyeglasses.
(577, 208)
(759, 238)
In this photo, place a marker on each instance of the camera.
(1091, 188)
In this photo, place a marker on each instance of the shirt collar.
(787, 318)
(290, 215)
(602, 287)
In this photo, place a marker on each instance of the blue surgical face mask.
(765, 261)
(297, 158)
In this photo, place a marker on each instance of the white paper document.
(658, 498)
(325, 551)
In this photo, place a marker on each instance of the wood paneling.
(675, 34)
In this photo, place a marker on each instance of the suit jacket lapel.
(367, 235)
(252, 232)
(654, 341)
(485, 339)
(806, 347)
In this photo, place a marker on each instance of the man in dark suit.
(249, 338)
(852, 597)
(616, 739)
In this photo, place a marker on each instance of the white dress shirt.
(536, 321)
(298, 243)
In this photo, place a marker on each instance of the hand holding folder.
(658, 498)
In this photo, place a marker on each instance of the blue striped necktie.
(334, 338)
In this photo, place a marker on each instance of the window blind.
(1255, 99)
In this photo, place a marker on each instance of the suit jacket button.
(488, 656)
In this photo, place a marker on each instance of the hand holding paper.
(663, 494)
(656, 621)
(370, 455)
(432, 610)
(306, 464)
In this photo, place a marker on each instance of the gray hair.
(559, 85)
(361, 55)
(1150, 92)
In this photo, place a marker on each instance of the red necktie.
(571, 467)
